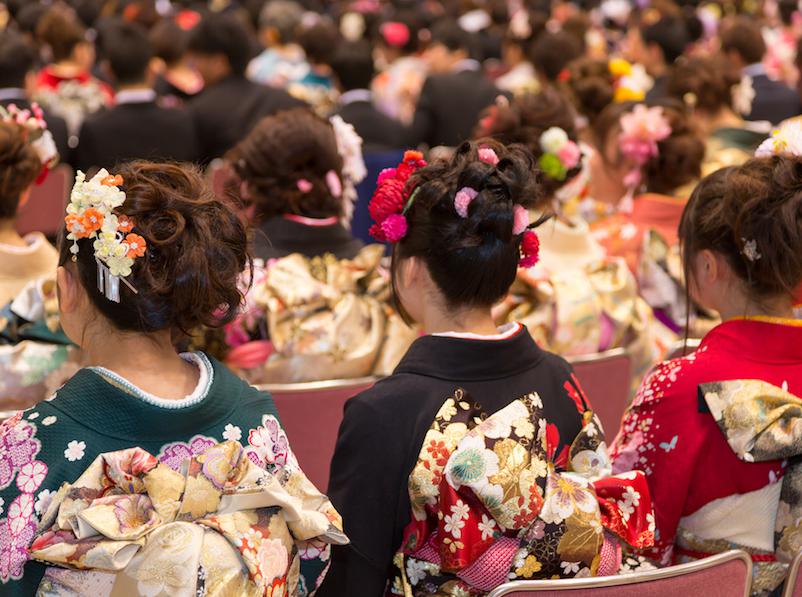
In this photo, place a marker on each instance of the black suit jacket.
(379, 132)
(226, 112)
(774, 101)
(141, 130)
(449, 107)
(55, 124)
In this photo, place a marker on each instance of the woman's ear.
(708, 267)
(67, 290)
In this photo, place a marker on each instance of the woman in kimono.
(712, 429)
(148, 254)
(449, 472)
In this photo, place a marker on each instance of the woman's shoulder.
(675, 378)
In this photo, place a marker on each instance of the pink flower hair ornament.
(488, 156)
(463, 200)
(391, 200)
(641, 130)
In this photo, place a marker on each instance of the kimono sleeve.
(657, 437)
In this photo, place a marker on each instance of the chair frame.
(689, 347)
(790, 579)
(626, 579)
(316, 386)
(598, 357)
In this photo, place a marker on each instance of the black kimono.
(384, 428)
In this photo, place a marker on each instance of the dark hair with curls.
(472, 260)
(196, 251)
(19, 167)
(524, 119)
(281, 150)
(589, 85)
(680, 155)
(759, 201)
(704, 83)
(61, 30)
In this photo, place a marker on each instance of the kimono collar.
(759, 339)
(466, 359)
(100, 403)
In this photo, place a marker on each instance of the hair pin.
(750, 250)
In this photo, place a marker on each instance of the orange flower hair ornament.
(90, 214)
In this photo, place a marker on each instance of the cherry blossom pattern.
(18, 447)
(75, 450)
(31, 475)
(174, 454)
(16, 534)
(268, 445)
(232, 433)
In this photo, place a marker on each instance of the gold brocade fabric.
(130, 526)
(329, 319)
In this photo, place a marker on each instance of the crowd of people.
(542, 181)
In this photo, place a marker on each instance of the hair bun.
(19, 167)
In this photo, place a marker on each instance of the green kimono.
(98, 412)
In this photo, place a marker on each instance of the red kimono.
(707, 499)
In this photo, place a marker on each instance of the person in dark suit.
(454, 94)
(136, 127)
(354, 69)
(18, 76)
(656, 47)
(743, 45)
(230, 104)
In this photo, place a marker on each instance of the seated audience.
(176, 81)
(24, 154)
(283, 60)
(230, 105)
(136, 127)
(657, 46)
(706, 86)
(354, 70)
(316, 86)
(454, 93)
(148, 254)
(439, 493)
(762, 98)
(519, 74)
(18, 79)
(66, 87)
(713, 430)
(644, 155)
(289, 168)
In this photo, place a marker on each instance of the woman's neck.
(149, 361)
(742, 307)
(474, 321)
(9, 234)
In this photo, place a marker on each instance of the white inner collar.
(506, 331)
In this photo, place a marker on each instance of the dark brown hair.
(472, 260)
(589, 85)
(551, 52)
(196, 251)
(680, 155)
(19, 167)
(742, 35)
(61, 30)
(524, 119)
(281, 150)
(760, 202)
(704, 83)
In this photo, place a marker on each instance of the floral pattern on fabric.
(174, 455)
(156, 530)
(18, 447)
(268, 445)
(496, 498)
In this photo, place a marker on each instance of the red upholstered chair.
(606, 378)
(311, 414)
(44, 210)
(793, 583)
(725, 575)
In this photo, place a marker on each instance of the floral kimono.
(97, 412)
(714, 491)
(35, 356)
(325, 319)
(493, 500)
(131, 525)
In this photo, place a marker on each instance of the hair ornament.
(36, 134)
(391, 199)
(90, 214)
(520, 220)
(641, 130)
(560, 154)
(349, 147)
(785, 140)
(304, 185)
(334, 184)
(488, 156)
(530, 249)
(630, 81)
(395, 34)
(463, 200)
(750, 250)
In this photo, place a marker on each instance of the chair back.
(374, 163)
(724, 575)
(606, 378)
(311, 414)
(44, 210)
(793, 582)
(680, 348)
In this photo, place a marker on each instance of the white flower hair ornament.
(90, 214)
(36, 132)
(349, 146)
(785, 140)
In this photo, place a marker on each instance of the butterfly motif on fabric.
(668, 446)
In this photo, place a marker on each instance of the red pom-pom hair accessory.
(390, 200)
(530, 242)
